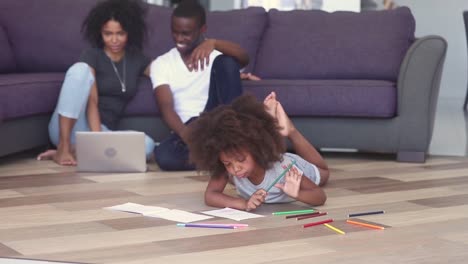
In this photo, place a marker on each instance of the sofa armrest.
(418, 88)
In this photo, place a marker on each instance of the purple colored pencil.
(208, 226)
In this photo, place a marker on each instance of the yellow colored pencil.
(334, 229)
(365, 224)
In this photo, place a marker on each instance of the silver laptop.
(116, 151)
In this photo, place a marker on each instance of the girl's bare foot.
(271, 104)
(275, 109)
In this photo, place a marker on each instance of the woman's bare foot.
(47, 155)
(275, 109)
(64, 157)
(61, 157)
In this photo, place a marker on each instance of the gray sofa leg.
(411, 156)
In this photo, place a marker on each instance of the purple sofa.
(349, 80)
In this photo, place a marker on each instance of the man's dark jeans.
(225, 85)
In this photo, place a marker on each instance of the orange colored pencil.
(365, 224)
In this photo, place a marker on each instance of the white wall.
(445, 18)
(222, 5)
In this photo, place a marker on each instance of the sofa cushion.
(28, 94)
(7, 60)
(45, 35)
(321, 98)
(158, 22)
(342, 45)
(330, 98)
(244, 27)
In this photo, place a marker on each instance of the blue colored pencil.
(366, 213)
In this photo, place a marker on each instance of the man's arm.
(231, 49)
(165, 103)
(201, 54)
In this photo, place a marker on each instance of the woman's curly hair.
(243, 125)
(129, 13)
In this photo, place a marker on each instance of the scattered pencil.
(299, 215)
(310, 216)
(307, 211)
(208, 226)
(318, 223)
(365, 224)
(235, 224)
(366, 213)
(339, 231)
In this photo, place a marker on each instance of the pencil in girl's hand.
(281, 175)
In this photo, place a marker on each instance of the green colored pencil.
(294, 212)
(281, 175)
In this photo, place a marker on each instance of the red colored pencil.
(310, 216)
(318, 223)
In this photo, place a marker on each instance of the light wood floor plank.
(52, 212)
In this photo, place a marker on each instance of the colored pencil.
(235, 224)
(318, 223)
(310, 216)
(365, 224)
(306, 211)
(339, 231)
(208, 226)
(299, 215)
(366, 213)
(280, 176)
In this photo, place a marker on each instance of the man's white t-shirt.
(189, 88)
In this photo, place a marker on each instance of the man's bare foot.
(47, 155)
(249, 76)
(275, 109)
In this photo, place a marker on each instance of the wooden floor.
(53, 213)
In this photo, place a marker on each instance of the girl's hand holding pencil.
(256, 200)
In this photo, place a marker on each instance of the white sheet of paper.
(178, 216)
(233, 214)
(160, 212)
(134, 208)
